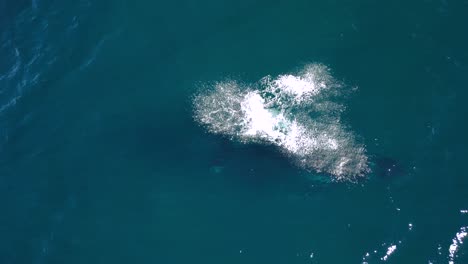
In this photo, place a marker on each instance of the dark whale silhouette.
(382, 166)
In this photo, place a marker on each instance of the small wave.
(97, 48)
(38, 42)
(299, 113)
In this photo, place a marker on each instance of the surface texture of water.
(102, 162)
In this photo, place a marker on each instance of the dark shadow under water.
(259, 164)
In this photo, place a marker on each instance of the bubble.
(299, 113)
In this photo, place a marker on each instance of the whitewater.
(299, 112)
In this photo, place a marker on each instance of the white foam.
(390, 250)
(277, 112)
(456, 242)
(260, 121)
(297, 86)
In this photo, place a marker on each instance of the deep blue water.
(102, 162)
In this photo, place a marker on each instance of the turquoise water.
(102, 162)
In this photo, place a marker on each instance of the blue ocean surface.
(113, 151)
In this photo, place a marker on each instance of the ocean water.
(106, 155)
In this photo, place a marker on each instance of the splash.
(457, 241)
(299, 113)
(390, 250)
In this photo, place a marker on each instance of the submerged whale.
(295, 115)
(276, 111)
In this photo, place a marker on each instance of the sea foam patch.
(299, 113)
